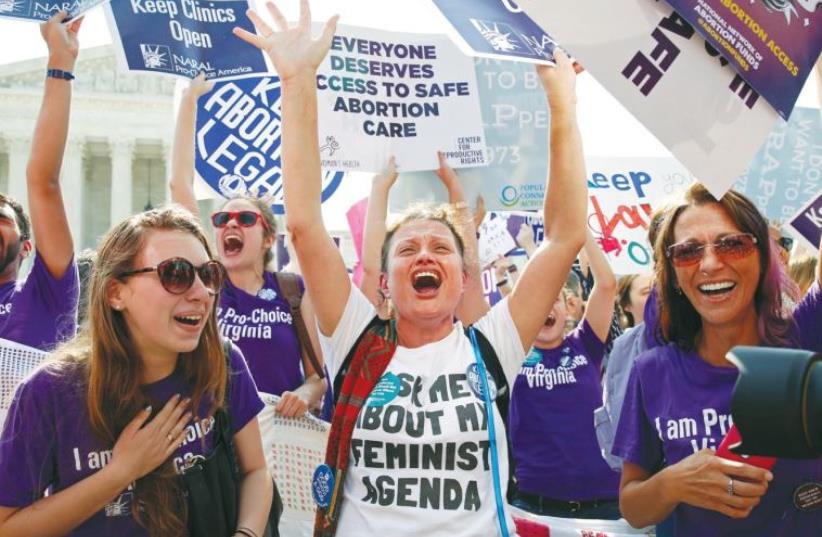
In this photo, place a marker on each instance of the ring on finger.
(730, 486)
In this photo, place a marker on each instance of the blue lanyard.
(492, 437)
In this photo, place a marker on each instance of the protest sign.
(494, 239)
(786, 173)
(622, 195)
(41, 10)
(773, 44)
(183, 37)
(407, 95)
(808, 222)
(238, 142)
(293, 448)
(498, 28)
(516, 120)
(656, 65)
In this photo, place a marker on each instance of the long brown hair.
(679, 320)
(110, 364)
(626, 318)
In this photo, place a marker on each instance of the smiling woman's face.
(720, 288)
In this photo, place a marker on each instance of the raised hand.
(525, 237)
(292, 49)
(729, 487)
(559, 81)
(198, 87)
(447, 174)
(142, 446)
(61, 40)
(388, 176)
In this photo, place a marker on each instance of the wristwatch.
(59, 73)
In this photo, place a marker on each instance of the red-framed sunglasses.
(729, 247)
(220, 219)
(177, 275)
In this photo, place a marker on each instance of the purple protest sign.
(772, 44)
(808, 222)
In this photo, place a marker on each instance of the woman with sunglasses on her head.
(383, 476)
(110, 422)
(253, 312)
(720, 284)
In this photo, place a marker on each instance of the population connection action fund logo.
(239, 141)
(509, 196)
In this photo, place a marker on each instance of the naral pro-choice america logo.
(44, 9)
(156, 57)
(12, 7)
(239, 143)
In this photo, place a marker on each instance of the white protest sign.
(293, 448)
(407, 95)
(652, 60)
(43, 10)
(494, 239)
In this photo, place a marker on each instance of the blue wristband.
(59, 73)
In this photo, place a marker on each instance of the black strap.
(287, 281)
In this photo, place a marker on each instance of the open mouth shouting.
(551, 320)
(426, 282)
(232, 244)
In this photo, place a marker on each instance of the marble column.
(71, 183)
(19, 148)
(122, 157)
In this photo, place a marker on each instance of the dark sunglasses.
(177, 275)
(688, 253)
(221, 219)
(785, 242)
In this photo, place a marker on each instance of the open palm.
(292, 49)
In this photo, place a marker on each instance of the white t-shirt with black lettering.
(419, 461)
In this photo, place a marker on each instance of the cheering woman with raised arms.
(417, 455)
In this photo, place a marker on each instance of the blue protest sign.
(238, 142)
(809, 222)
(41, 10)
(498, 28)
(772, 44)
(786, 173)
(184, 37)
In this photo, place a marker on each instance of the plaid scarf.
(371, 357)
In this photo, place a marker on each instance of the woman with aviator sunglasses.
(720, 284)
(252, 312)
(121, 410)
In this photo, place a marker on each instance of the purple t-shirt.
(808, 317)
(40, 311)
(261, 326)
(677, 404)
(551, 421)
(47, 442)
